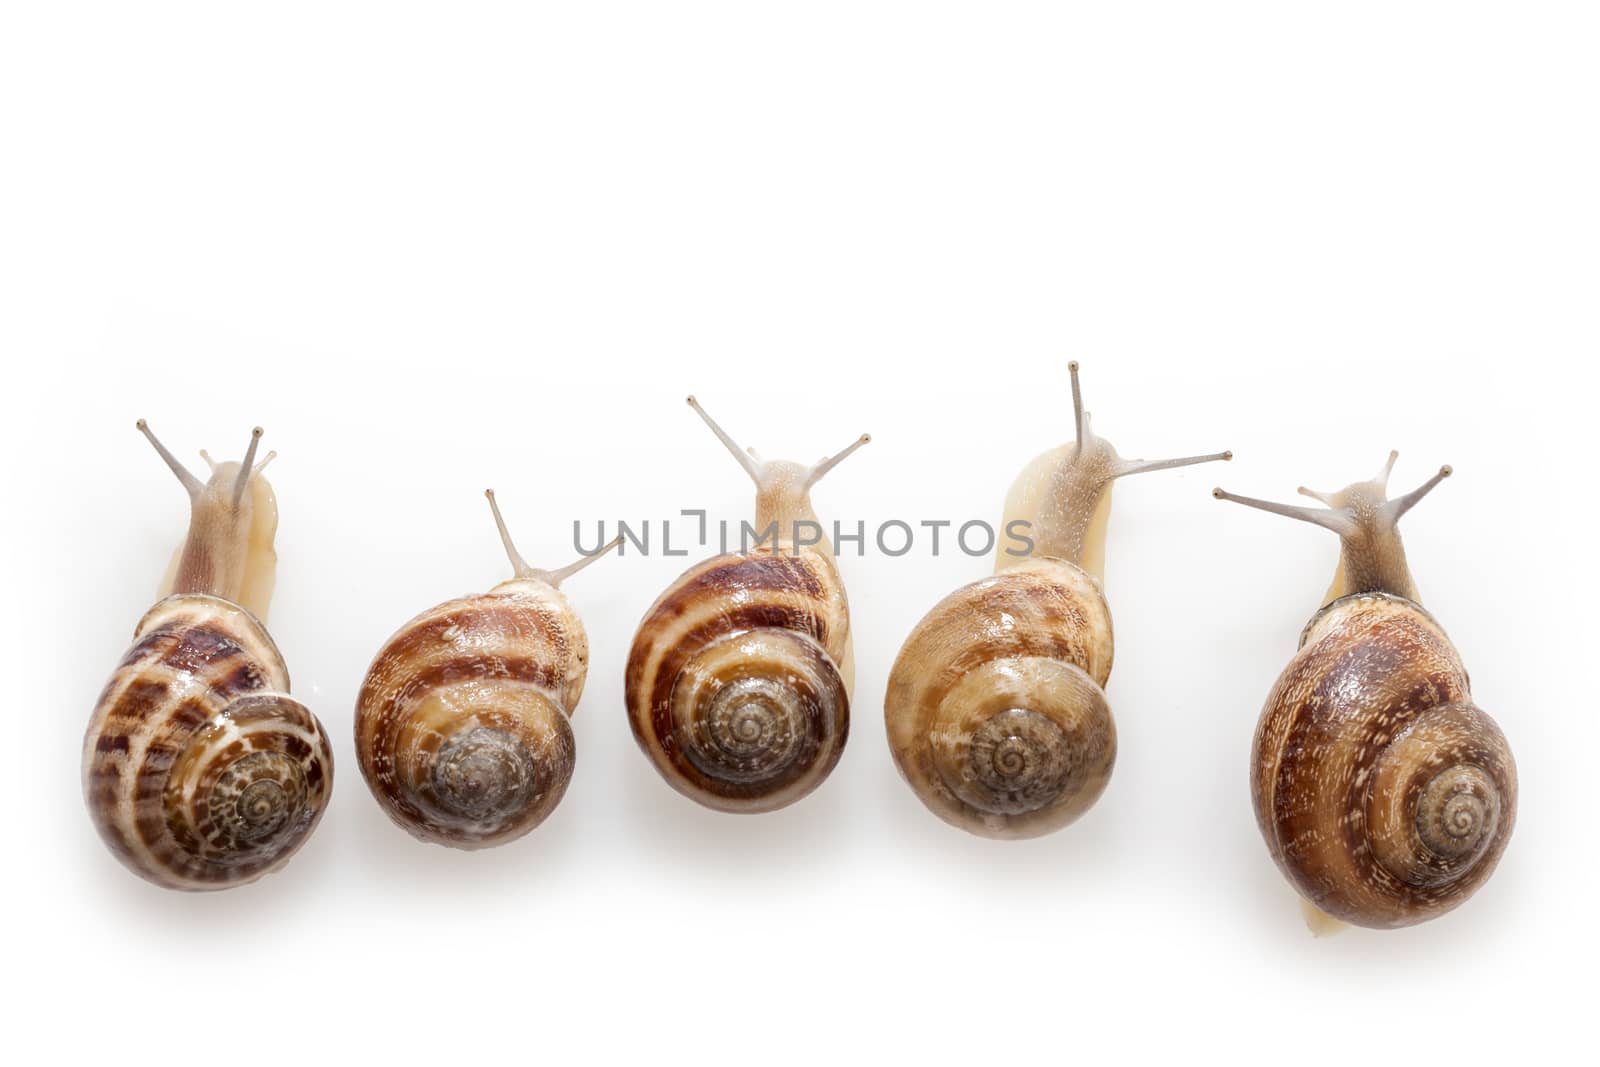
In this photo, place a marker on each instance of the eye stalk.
(759, 470)
(232, 521)
(1372, 558)
(247, 469)
(192, 485)
(242, 480)
(783, 489)
(523, 570)
(1064, 495)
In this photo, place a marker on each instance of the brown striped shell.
(995, 711)
(200, 771)
(1383, 793)
(737, 683)
(462, 729)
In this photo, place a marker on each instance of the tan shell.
(995, 711)
(462, 729)
(200, 771)
(737, 683)
(1384, 795)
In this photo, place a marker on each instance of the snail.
(199, 769)
(995, 709)
(462, 729)
(1384, 794)
(738, 683)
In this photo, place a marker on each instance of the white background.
(433, 248)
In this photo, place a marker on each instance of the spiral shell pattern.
(734, 684)
(462, 729)
(200, 771)
(995, 711)
(1384, 794)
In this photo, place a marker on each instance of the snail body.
(200, 770)
(739, 679)
(1384, 794)
(462, 724)
(996, 711)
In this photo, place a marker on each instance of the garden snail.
(462, 729)
(995, 709)
(199, 769)
(1384, 794)
(739, 680)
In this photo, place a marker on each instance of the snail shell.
(1385, 796)
(738, 683)
(200, 770)
(462, 725)
(733, 683)
(1000, 722)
